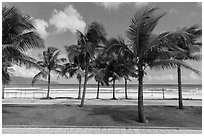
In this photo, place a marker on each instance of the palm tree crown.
(18, 36)
(84, 51)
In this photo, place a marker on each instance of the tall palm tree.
(148, 49)
(186, 39)
(18, 36)
(86, 47)
(50, 62)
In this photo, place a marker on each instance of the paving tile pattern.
(96, 131)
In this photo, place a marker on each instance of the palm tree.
(186, 39)
(18, 36)
(85, 49)
(71, 70)
(111, 71)
(125, 65)
(98, 70)
(50, 62)
(99, 78)
(148, 49)
(6, 72)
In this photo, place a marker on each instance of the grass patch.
(92, 115)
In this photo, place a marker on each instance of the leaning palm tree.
(86, 47)
(50, 62)
(186, 40)
(148, 49)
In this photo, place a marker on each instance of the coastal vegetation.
(107, 60)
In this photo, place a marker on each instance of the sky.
(57, 22)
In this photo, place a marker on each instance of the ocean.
(151, 91)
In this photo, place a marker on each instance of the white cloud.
(161, 78)
(140, 4)
(199, 4)
(110, 5)
(116, 5)
(23, 72)
(41, 26)
(69, 19)
(194, 76)
(173, 11)
(192, 13)
(149, 77)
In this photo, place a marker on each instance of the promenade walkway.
(102, 101)
(98, 131)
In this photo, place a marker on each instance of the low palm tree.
(86, 47)
(112, 70)
(71, 70)
(99, 78)
(98, 70)
(125, 65)
(50, 62)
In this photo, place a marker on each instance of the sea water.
(151, 91)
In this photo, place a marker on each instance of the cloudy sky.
(57, 24)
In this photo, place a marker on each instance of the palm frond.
(142, 25)
(41, 74)
(27, 41)
(96, 33)
(171, 64)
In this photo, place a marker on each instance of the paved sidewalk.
(101, 102)
(96, 131)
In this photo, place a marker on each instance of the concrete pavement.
(102, 101)
(97, 131)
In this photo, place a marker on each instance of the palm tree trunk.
(97, 97)
(48, 87)
(3, 88)
(114, 89)
(79, 94)
(84, 90)
(179, 88)
(126, 97)
(140, 95)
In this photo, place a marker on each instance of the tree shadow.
(120, 114)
